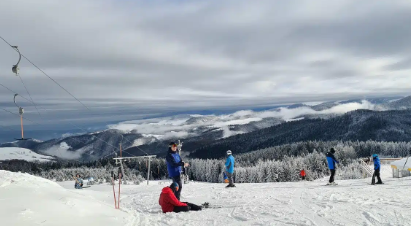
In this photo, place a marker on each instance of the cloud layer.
(184, 126)
(165, 55)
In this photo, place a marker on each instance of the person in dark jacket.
(332, 165)
(377, 168)
(169, 202)
(174, 164)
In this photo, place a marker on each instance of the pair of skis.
(207, 205)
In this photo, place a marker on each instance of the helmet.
(229, 152)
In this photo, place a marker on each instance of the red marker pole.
(119, 183)
(114, 193)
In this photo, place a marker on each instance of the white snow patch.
(22, 154)
(29, 200)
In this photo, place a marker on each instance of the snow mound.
(22, 154)
(402, 164)
(29, 200)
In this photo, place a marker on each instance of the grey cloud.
(154, 54)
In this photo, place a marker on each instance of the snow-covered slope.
(22, 154)
(27, 200)
(352, 202)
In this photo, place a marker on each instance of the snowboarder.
(229, 166)
(377, 167)
(331, 165)
(169, 202)
(302, 174)
(174, 164)
(79, 182)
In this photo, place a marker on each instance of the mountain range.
(209, 135)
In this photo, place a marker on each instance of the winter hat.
(229, 152)
(174, 185)
(332, 150)
(374, 156)
(172, 144)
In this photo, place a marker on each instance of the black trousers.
(303, 177)
(177, 180)
(189, 207)
(332, 176)
(376, 174)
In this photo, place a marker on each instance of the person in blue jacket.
(332, 165)
(377, 168)
(79, 182)
(174, 167)
(229, 168)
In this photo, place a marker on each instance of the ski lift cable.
(25, 87)
(19, 116)
(59, 85)
(15, 69)
(12, 91)
(8, 127)
(78, 127)
(46, 75)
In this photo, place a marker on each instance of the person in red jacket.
(169, 202)
(302, 174)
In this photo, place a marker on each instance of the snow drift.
(29, 200)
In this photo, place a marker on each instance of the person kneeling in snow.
(377, 167)
(79, 182)
(169, 202)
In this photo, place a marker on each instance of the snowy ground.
(352, 202)
(27, 200)
(22, 154)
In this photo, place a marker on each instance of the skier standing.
(169, 202)
(229, 166)
(377, 167)
(174, 164)
(302, 174)
(331, 165)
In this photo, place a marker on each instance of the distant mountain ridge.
(152, 136)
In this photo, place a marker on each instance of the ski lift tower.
(120, 160)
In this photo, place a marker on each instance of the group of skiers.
(170, 196)
(332, 161)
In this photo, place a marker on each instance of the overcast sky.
(149, 54)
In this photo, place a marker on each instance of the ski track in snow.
(27, 199)
(353, 202)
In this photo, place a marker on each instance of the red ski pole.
(119, 183)
(114, 193)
